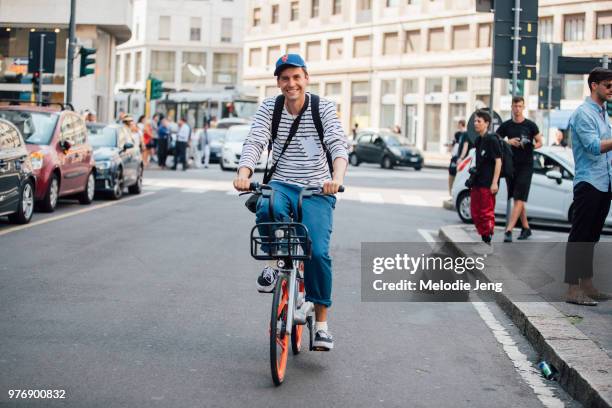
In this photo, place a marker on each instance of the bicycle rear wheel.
(279, 341)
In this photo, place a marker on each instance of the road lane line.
(70, 214)
(428, 236)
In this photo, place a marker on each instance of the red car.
(61, 155)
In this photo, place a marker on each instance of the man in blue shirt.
(592, 146)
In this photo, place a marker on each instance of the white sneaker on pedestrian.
(323, 341)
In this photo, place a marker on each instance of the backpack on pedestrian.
(507, 168)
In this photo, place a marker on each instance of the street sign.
(504, 11)
(549, 80)
(577, 65)
(555, 100)
(49, 52)
(524, 72)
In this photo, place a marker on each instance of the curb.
(585, 370)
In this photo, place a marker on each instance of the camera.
(525, 141)
(469, 183)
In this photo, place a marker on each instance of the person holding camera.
(524, 136)
(484, 178)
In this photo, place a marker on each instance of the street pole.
(148, 98)
(40, 67)
(550, 88)
(71, 47)
(606, 61)
(492, 71)
(515, 67)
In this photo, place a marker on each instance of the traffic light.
(156, 88)
(35, 82)
(609, 108)
(520, 87)
(87, 61)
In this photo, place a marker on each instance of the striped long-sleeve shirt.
(304, 162)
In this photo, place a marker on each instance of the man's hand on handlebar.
(242, 182)
(331, 187)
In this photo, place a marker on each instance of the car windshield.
(390, 139)
(36, 127)
(103, 136)
(215, 135)
(237, 134)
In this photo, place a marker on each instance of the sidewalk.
(577, 340)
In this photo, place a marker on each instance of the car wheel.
(354, 160)
(463, 207)
(118, 186)
(137, 187)
(418, 168)
(49, 201)
(26, 205)
(386, 163)
(87, 196)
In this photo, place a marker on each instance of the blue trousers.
(317, 216)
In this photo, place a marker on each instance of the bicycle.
(289, 244)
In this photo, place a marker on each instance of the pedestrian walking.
(355, 130)
(484, 179)
(455, 151)
(195, 149)
(205, 144)
(182, 142)
(592, 146)
(559, 139)
(163, 136)
(524, 136)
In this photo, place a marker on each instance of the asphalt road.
(151, 302)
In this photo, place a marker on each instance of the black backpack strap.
(316, 118)
(292, 131)
(279, 103)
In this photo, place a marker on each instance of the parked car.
(215, 140)
(61, 155)
(232, 148)
(386, 148)
(118, 160)
(227, 123)
(551, 193)
(17, 182)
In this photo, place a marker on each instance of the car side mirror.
(128, 145)
(65, 145)
(555, 175)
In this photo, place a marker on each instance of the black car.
(17, 181)
(385, 148)
(118, 159)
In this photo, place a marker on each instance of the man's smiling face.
(292, 82)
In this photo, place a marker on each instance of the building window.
(461, 37)
(162, 65)
(194, 67)
(413, 2)
(314, 9)
(363, 5)
(387, 105)
(313, 51)
(432, 124)
(164, 28)
(484, 35)
(225, 69)
(433, 85)
(117, 68)
(195, 31)
(545, 29)
(255, 57)
(413, 42)
(360, 106)
(573, 27)
(604, 25)
(128, 67)
(458, 84)
(436, 39)
(313, 88)
(138, 66)
(293, 48)
(137, 32)
(390, 44)
(410, 86)
(333, 89)
(274, 19)
(273, 55)
(295, 10)
(392, 3)
(573, 87)
(336, 7)
(226, 30)
(362, 46)
(334, 49)
(271, 91)
(256, 17)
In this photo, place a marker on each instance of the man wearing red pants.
(485, 177)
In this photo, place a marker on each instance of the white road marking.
(522, 365)
(414, 200)
(428, 236)
(70, 214)
(194, 191)
(376, 198)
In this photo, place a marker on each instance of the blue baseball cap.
(288, 60)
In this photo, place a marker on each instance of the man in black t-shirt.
(524, 136)
(486, 181)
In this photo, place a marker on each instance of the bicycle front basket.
(280, 240)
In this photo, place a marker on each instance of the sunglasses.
(607, 86)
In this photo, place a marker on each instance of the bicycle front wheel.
(279, 340)
(296, 332)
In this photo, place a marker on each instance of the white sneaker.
(267, 280)
(323, 341)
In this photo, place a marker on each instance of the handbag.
(251, 203)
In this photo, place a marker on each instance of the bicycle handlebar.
(256, 187)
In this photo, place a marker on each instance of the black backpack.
(316, 118)
(507, 168)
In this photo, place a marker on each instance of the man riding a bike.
(308, 149)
